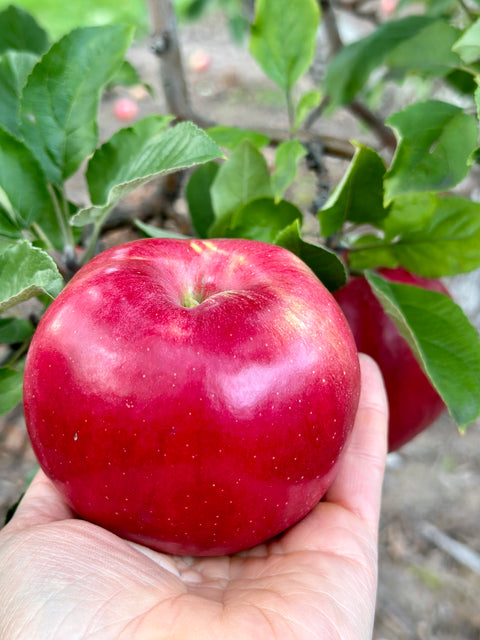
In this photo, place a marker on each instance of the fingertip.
(373, 394)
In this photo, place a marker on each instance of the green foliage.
(350, 69)
(243, 178)
(283, 41)
(441, 337)
(443, 239)
(468, 45)
(231, 137)
(26, 271)
(358, 197)
(59, 18)
(19, 31)
(287, 158)
(436, 140)
(11, 382)
(135, 156)
(60, 100)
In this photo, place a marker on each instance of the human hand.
(62, 578)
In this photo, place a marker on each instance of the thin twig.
(331, 27)
(367, 116)
(341, 148)
(457, 550)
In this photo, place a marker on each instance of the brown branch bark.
(367, 116)
(166, 45)
(331, 27)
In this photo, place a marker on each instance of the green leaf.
(324, 263)
(370, 251)
(462, 81)
(443, 340)
(468, 45)
(197, 193)
(127, 76)
(26, 271)
(138, 154)
(283, 38)
(15, 67)
(306, 104)
(244, 177)
(436, 140)
(429, 51)
(191, 9)
(448, 245)
(408, 213)
(23, 190)
(155, 232)
(358, 197)
(231, 137)
(11, 387)
(130, 153)
(20, 32)
(263, 219)
(60, 100)
(351, 67)
(288, 156)
(10, 225)
(14, 330)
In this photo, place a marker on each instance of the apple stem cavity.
(191, 300)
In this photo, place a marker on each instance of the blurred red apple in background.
(125, 109)
(414, 403)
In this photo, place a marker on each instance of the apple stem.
(190, 300)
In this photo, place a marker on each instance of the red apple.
(414, 403)
(193, 396)
(387, 7)
(125, 109)
(200, 60)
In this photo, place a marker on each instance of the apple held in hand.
(192, 396)
(414, 404)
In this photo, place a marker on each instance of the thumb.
(358, 484)
(41, 504)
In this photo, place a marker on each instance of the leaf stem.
(467, 10)
(15, 355)
(63, 222)
(290, 108)
(41, 235)
(93, 239)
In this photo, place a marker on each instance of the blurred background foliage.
(57, 21)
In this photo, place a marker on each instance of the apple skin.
(414, 403)
(195, 430)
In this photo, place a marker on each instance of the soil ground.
(431, 485)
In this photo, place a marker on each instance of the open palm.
(65, 579)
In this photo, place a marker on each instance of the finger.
(41, 504)
(358, 484)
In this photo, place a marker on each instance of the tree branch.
(331, 27)
(367, 116)
(166, 45)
